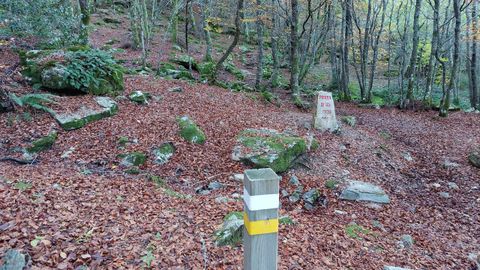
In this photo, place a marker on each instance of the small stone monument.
(325, 118)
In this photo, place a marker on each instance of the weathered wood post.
(260, 233)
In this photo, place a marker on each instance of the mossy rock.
(190, 131)
(163, 153)
(206, 70)
(43, 144)
(474, 158)
(185, 61)
(75, 70)
(133, 159)
(266, 148)
(171, 71)
(140, 97)
(82, 117)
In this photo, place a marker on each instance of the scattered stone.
(374, 206)
(377, 224)
(406, 241)
(57, 186)
(212, 186)
(445, 195)
(453, 185)
(343, 148)
(331, 184)
(163, 154)
(231, 232)
(133, 159)
(176, 89)
(362, 191)
(296, 195)
(407, 156)
(140, 97)
(13, 260)
(42, 144)
(394, 268)
(285, 193)
(339, 212)
(190, 131)
(369, 106)
(215, 185)
(436, 185)
(267, 148)
(475, 258)
(474, 157)
(223, 200)
(67, 153)
(312, 198)
(325, 118)
(85, 115)
(447, 164)
(239, 177)
(294, 181)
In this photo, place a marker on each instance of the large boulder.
(74, 71)
(474, 157)
(267, 148)
(71, 120)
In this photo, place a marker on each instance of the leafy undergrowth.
(83, 209)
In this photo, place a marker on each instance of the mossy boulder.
(267, 148)
(186, 61)
(474, 157)
(74, 71)
(140, 97)
(77, 119)
(190, 131)
(171, 71)
(133, 159)
(42, 144)
(163, 153)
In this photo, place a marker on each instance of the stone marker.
(260, 233)
(325, 118)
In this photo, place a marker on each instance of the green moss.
(164, 153)
(158, 181)
(133, 159)
(43, 144)
(276, 152)
(133, 170)
(140, 97)
(315, 145)
(122, 141)
(354, 231)
(190, 131)
(331, 184)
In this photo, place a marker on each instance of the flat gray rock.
(362, 191)
(74, 120)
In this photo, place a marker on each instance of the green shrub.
(36, 101)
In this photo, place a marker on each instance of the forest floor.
(83, 209)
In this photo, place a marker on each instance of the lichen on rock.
(163, 153)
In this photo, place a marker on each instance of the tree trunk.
(275, 71)
(473, 60)
(238, 19)
(434, 51)
(259, 24)
(346, 37)
(410, 74)
(294, 68)
(446, 100)
(85, 21)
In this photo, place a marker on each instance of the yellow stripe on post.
(260, 226)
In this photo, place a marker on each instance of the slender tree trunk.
(434, 51)
(238, 20)
(205, 5)
(294, 41)
(411, 71)
(473, 60)
(259, 24)
(375, 48)
(274, 41)
(446, 100)
(85, 20)
(346, 37)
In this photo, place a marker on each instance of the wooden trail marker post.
(260, 233)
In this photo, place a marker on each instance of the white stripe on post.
(261, 202)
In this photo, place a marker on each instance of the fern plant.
(36, 101)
